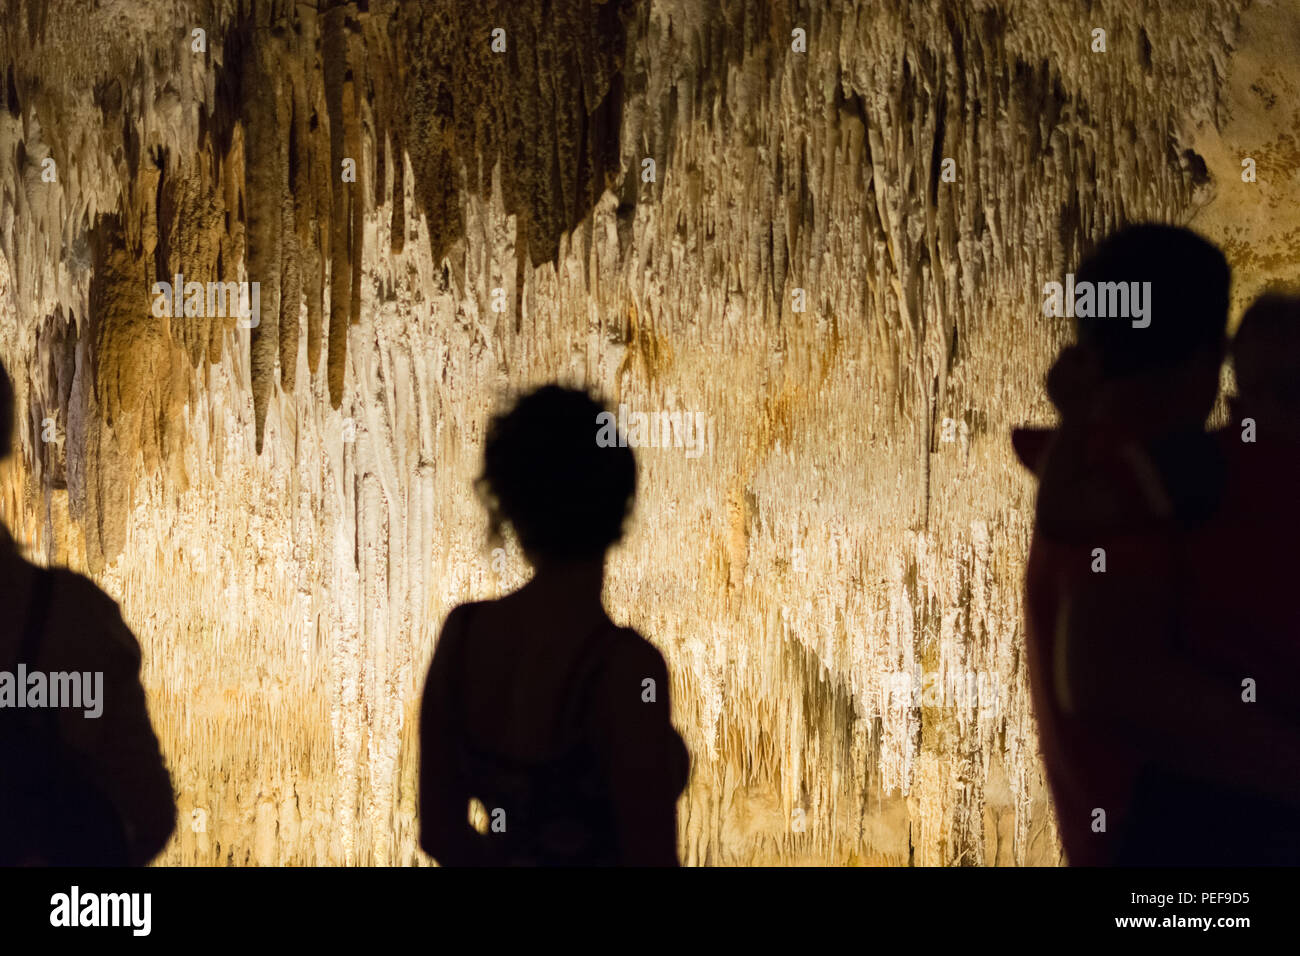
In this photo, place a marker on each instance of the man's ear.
(1073, 377)
(1208, 369)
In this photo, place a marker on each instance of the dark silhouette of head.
(1266, 349)
(1183, 338)
(1189, 299)
(1266, 358)
(6, 414)
(544, 474)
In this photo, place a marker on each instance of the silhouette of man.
(536, 705)
(1136, 730)
(76, 788)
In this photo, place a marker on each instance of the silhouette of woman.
(536, 705)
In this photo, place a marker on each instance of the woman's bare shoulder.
(627, 648)
(454, 626)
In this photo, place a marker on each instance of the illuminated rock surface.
(288, 600)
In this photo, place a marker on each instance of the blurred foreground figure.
(1243, 622)
(1155, 750)
(1249, 621)
(82, 783)
(537, 706)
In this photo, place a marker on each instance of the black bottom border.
(335, 907)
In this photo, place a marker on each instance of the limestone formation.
(838, 262)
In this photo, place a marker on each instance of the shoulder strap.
(37, 612)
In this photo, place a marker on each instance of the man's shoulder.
(83, 620)
(1094, 481)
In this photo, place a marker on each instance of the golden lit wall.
(858, 330)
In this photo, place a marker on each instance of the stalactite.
(265, 178)
(339, 101)
(318, 197)
(292, 229)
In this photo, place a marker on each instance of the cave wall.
(286, 514)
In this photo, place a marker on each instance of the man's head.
(1182, 338)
